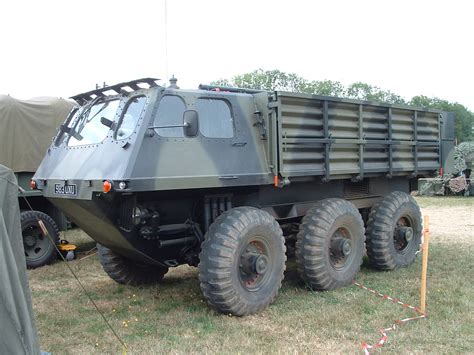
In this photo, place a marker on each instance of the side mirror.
(190, 123)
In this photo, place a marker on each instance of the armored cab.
(228, 179)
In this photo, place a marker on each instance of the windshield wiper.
(106, 122)
(71, 132)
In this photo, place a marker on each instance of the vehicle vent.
(356, 189)
(215, 205)
(125, 217)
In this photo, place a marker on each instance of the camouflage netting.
(457, 184)
(432, 187)
(26, 129)
(454, 181)
(463, 156)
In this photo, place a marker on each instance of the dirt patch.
(451, 224)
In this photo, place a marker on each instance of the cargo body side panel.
(336, 138)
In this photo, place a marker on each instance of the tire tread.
(310, 248)
(216, 260)
(27, 217)
(125, 272)
(380, 230)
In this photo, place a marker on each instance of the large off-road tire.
(39, 249)
(129, 272)
(393, 232)
(242, 261)
(330, 244)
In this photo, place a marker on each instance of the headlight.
(122, 185)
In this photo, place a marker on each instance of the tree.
(277, 80)
(363, 91)
(325, 87)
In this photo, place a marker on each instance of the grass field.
(174, 318)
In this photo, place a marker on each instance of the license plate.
(67, 190)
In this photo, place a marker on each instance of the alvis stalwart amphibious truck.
(230, 179)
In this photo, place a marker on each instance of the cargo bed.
(334, 138)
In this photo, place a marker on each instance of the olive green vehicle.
(26, 128)
(232, 180)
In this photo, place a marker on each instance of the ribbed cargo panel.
(327, 136)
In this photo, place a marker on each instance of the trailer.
(26, 130)
(228, 179)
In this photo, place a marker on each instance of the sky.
(61, 48)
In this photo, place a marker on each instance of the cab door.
(227, 150)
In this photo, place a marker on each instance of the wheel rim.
(341, 249)
(35, 243)
(403, 234)
(255, 264)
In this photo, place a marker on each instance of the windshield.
(89, 128)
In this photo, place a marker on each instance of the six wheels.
(394, 231)
(242, 261)
(129, 272)
(39, 250)
(330, 244)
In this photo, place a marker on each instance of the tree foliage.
(277, 80)
(363, 91)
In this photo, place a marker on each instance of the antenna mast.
(166, 38)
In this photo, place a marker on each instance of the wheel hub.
(253, 263)
(346, 247)
(260, 264)
(29, 241)
(341, 247)
(405, 233)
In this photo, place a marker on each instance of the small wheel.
(127, 271)
(394, 232)
(330, 244)
(242, 261)
(39, 250)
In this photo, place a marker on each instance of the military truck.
(225, 179)
(26, 129)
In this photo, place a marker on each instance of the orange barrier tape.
(383, 339)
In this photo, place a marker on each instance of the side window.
(170, 112)
(130, 117)
(215, 118)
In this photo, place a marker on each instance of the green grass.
(173, 317)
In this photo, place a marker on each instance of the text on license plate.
(60, 189)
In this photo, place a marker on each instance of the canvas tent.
(26, 129)
(17, 328)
